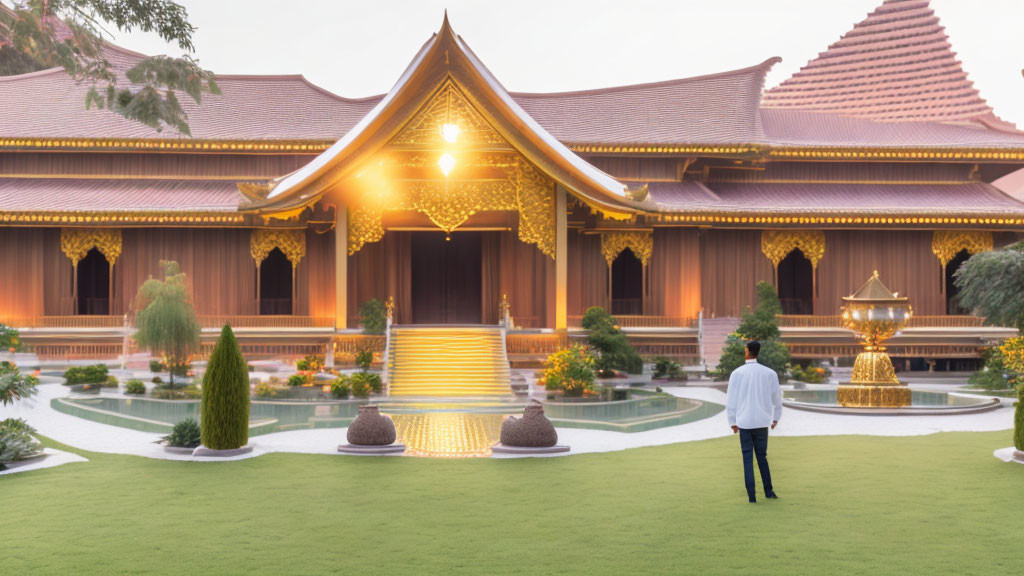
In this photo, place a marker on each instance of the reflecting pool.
(921, 402)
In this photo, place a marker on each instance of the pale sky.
(359, 48)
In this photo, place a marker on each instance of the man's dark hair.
(754, 347)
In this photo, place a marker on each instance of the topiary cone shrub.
(225, 405)
(1018, 420)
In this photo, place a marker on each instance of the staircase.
(715, 332)
(448, 361)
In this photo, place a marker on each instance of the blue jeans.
(754, 441)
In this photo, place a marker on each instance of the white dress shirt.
(754, 397)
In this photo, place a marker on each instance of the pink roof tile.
(77, 195)
(896, 65)
(881, 199)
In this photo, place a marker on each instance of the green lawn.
(938, 504)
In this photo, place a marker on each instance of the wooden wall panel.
(588, 274)
(674, 273)
(21, 272)
(731, 265)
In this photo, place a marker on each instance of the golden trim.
(299, 146)
(852, 220)
(777, 244)
(946, 244)
(75, 243)
(291, 242)
(120, 218)
(614, 242)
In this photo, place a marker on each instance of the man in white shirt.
(754, 403)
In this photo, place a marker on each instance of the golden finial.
(876, 273)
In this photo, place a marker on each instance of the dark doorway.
(796, 284)
(275, 284)
(627, 284)
(447, 280)
(952, 292)
(94, 284)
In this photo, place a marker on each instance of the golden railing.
(534, 344)
(65, 322)
(799, 350)
(801, 321)
(629, 321)
(216, 321)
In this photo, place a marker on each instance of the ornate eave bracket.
(777, 244)
(946, 244)
(291, 242)
(639, 242)
(75, 243)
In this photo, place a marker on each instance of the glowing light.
(447, 164)
(450, 132)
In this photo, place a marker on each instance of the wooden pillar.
(341, 268)
(257, 312)
(561, 260)
(295, 294)
(74, 288)
(110, 288)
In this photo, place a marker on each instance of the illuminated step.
(448, 361)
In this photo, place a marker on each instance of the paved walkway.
(96, 437)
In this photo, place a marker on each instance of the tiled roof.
(80, 195)
(713, 109)
(827, 198)
(793, 127)
(895, 65)
(50, 104)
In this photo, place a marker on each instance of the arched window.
(796, 284)
(627, 279)
(93, 284)
(952, 302)
(275, 284)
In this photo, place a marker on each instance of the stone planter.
(179, 450)
(533, 430)
(210, 453)
(371, 433)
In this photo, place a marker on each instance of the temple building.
(460, 201)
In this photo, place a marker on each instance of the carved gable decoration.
(777, 244)
(498, 177)
(640, 243)
(75, 243)
(291, 242)
(946, 244)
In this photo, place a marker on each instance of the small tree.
(613, 348)
(760, 325)
(14, 385)
(570, 370)
(16, 441)
(9, 339)
(166, 323)
(1013, 355)
(991, 284)
(374, 316)
(224, 410)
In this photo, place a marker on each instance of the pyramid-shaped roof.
(896, 65)
(873, 290)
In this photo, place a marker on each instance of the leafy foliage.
(614, 352)
(372, 380)
(570, 370)
(311, 363)
(995, 374)
(14, 385)
(94, 374)
(225, 406)
(170, 392)
(185, 434)
(666, 368)
(758, 325)
(360, 387)
(69, 34)
(374, 316)
(266, 390)
(298, 380)
(156, 366)
(364, 359)
(134, 387)
(1018, 420)
(341, 387)
(16, 441)
(811, 374)
(991, 284)
(9, 338)
(166, 323)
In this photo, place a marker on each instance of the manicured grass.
(937, 504)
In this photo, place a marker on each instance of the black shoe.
(771, 495)
(753, 500)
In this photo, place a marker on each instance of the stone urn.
(533, 430)
(371, 428)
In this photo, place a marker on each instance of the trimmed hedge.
(95, 374)
(225, 407)
(134, 387)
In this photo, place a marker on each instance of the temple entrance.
(447, 280)
(275, 284)
(952, 292)
(627, 284)
(94, 284)
(796, 284)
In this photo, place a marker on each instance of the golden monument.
(876, 314)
